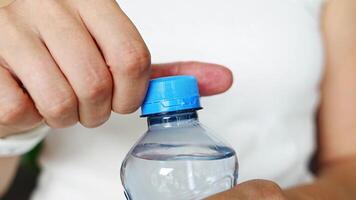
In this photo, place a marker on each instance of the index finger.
(212, 78)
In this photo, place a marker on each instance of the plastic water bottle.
(177, 158)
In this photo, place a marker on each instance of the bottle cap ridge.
(172, 93)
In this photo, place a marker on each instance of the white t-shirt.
(275, 51)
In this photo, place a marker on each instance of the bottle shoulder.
(190, 141)
(155, 151)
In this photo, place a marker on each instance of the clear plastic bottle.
(177, 158)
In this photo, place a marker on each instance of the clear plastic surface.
(178, 159)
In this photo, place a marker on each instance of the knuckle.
(12, 112)
(134, 62)
(98, 89)
(61, 108)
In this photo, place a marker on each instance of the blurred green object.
(30, 159)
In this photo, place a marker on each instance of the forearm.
(336, 181)
(8, 166)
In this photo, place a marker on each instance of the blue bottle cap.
(169, 94)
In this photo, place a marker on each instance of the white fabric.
(275, 51)
(23, 142)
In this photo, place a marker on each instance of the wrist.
(23, 142)
(5, 132)
(9, 131)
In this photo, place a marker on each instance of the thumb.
(212, 78)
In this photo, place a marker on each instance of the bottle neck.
(172, 119)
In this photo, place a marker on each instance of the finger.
(17, 111)
(81, 62)
(124, 51)
(212, 78)
(253, 189)
(30, 61)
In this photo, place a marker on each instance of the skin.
(101, 64)
(8, 167)
(336, 175)
(63, 62)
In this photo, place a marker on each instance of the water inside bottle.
(159, 169)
